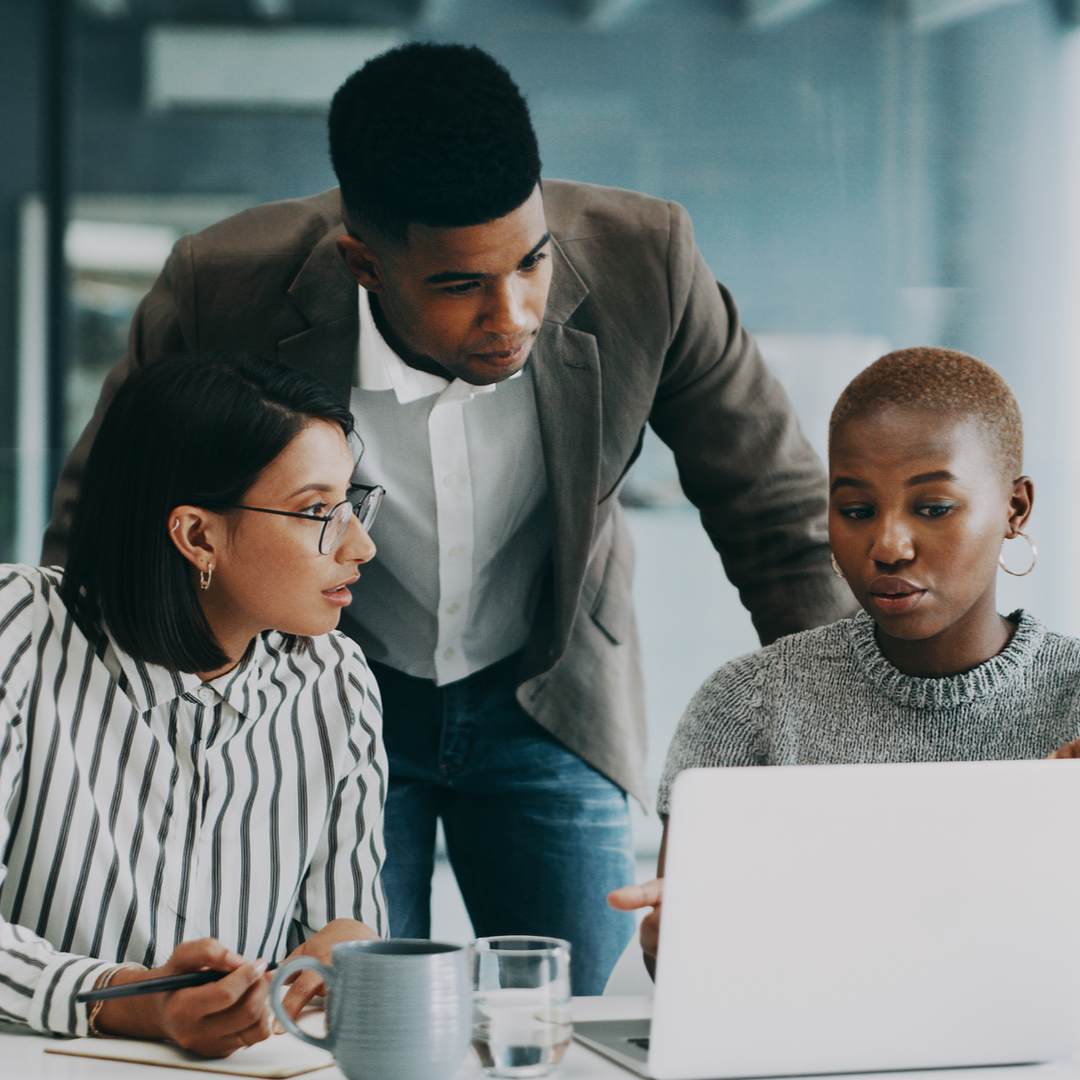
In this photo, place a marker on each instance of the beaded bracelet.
(91, 1017)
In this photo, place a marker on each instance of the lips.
(895, 595)
(340, 593)
(508, 357)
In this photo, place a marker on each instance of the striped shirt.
(140, 807)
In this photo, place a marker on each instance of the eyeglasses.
(336, 523)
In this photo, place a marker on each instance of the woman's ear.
(196, 534)
(1020, 503)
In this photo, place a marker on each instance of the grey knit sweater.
(830, 696)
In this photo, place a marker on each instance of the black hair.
(188, 430)
(433, 134)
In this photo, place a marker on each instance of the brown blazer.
(636, 330)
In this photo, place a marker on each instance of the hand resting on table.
(220, 1017)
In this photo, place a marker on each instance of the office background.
(863, 174)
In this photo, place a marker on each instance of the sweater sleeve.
(724, 723)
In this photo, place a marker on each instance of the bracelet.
(91, 1017)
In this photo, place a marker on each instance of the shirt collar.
(380, 368)
(148, 686)
(235, 686)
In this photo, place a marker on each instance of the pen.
(157, 986)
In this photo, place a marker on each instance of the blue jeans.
(535, 836)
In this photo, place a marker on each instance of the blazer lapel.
(565, 368)
(327, 297)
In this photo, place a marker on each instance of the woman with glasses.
(191, 765)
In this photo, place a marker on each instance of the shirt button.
(453, 609)
(449, 654)
(452, 481)
(456, 550)
(205, 694)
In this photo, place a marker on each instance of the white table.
(23, 1057)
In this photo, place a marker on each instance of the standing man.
(507, 344)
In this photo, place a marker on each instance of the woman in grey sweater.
(925, 487)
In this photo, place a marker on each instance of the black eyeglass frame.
(364, 511)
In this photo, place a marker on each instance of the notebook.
(276, 1058)
(849, 918)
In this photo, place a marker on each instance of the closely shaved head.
(943, 381)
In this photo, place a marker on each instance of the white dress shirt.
(465, 527)
(142, 807)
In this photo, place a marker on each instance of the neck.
(209, 676)
(951, 652)
(233, 636)
(408, 357)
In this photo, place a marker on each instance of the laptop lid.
(848, 918)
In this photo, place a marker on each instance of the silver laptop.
(850, 918)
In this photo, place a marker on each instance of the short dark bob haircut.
(436, 135)
(192, 431)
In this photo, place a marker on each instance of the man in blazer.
(508, 344)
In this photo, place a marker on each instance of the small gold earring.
(204, 577)
(1034, 556)
(836, 566)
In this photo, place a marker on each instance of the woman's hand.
(1071, 749)
(304, 985)
(211, 1020)
(633, 897)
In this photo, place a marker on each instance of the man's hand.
(633, 897)
(211, 1020)
(304, 985)
(1071, 749)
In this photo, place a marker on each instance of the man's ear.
(361, 262)
(196, 534)
(1020, 504)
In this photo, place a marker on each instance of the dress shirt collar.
(237, 687)
(149, 685)
(380, 368)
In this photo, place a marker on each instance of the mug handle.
(297, 963)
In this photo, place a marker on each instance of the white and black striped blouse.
(140, 807)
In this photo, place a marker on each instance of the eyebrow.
(324, 488)
(473, 275)
(914, 481)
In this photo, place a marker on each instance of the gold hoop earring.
(1034, 557)
(836, 566)
(204, 577)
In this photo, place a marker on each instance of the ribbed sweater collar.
(991, 677)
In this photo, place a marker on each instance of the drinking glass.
(521, 1004)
